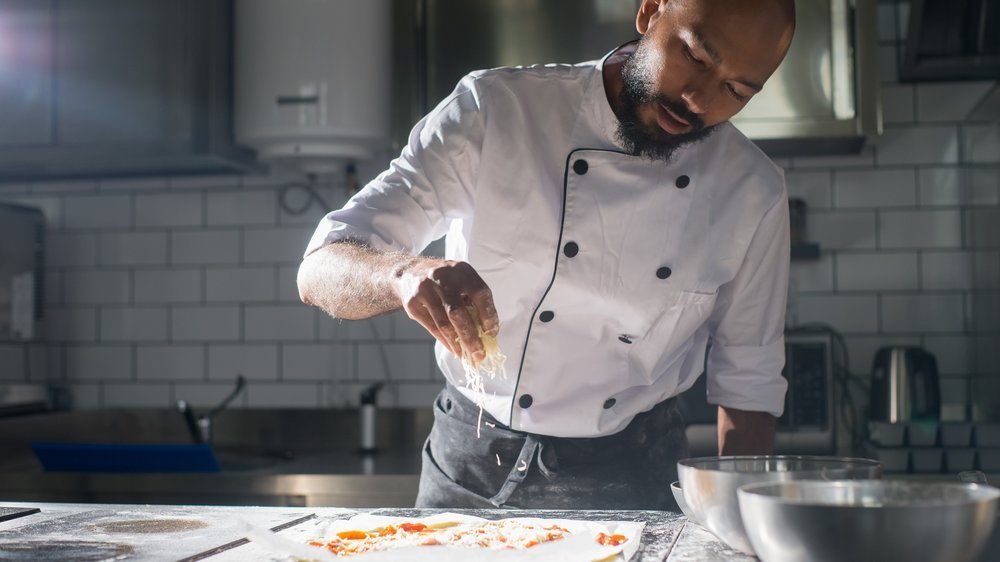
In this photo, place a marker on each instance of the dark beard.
(638, 138)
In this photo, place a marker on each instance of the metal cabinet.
(824, 97)
(25, 73)
(122, 71)
(110, 87)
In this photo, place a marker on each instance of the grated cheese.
(491, 366)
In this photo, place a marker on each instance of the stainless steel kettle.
(905, 385)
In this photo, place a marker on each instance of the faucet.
(201, 428)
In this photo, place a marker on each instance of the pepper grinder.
(366, 437)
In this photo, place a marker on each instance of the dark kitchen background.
(171, 242)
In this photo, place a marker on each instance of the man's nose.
(697, 97)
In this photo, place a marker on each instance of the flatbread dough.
(580, 543)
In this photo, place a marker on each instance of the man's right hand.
(436, 293)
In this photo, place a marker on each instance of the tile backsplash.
(165, 288)
(160, 289)
(909, 231)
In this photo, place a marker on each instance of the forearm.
(351, 281)
(745, 433)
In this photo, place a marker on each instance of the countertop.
(60, 531)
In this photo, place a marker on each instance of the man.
(605, 222)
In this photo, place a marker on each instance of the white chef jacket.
(610, 272)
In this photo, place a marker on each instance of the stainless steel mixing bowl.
(710, 483)
(809, 521)
(675, 489)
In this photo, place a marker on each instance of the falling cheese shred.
(491, 366)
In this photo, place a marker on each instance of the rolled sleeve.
(430, 184)
(747, 352)
(748, 378)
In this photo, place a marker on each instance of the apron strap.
(531, 453)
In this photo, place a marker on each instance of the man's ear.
(648, 12)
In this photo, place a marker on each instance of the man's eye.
(692, 58)
(736, 94)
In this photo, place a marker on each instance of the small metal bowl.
(709, 485)
(810, 521)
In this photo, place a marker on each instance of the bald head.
(737, 44)
(763, 27)
(698, 63)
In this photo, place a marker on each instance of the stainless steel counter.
(162, 533)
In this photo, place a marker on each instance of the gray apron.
(631, 469)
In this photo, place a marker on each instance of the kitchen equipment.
(19, 398)
(808, 424)
(809, 521)
(823, 99)
(8, 513)
(366, 420)
(22, 244)
(905, 385)
(972, 477)
(958, 40)
(306, 98)
(201, 428)
(710, 483)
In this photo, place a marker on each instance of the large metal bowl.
(808, 521)
(675, 489)
(710, 483)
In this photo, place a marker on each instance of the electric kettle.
(905, 385)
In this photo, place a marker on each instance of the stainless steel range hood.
(956, 40)
(823, 99)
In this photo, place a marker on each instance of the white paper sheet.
(580, 546)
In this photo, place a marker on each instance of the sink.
(267, 457)
(319, 441)
(154, 457)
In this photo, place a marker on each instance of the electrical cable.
(312, 197)
(312, 194)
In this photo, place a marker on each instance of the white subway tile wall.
(165, 288)
(133, 248)
(877, 271)
(255, 362)
(910, 241)
(138, 324)
(169, 209)
(898, 104)
(169, 286)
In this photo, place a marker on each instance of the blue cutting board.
(107, 457)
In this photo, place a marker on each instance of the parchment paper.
(580, 546)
